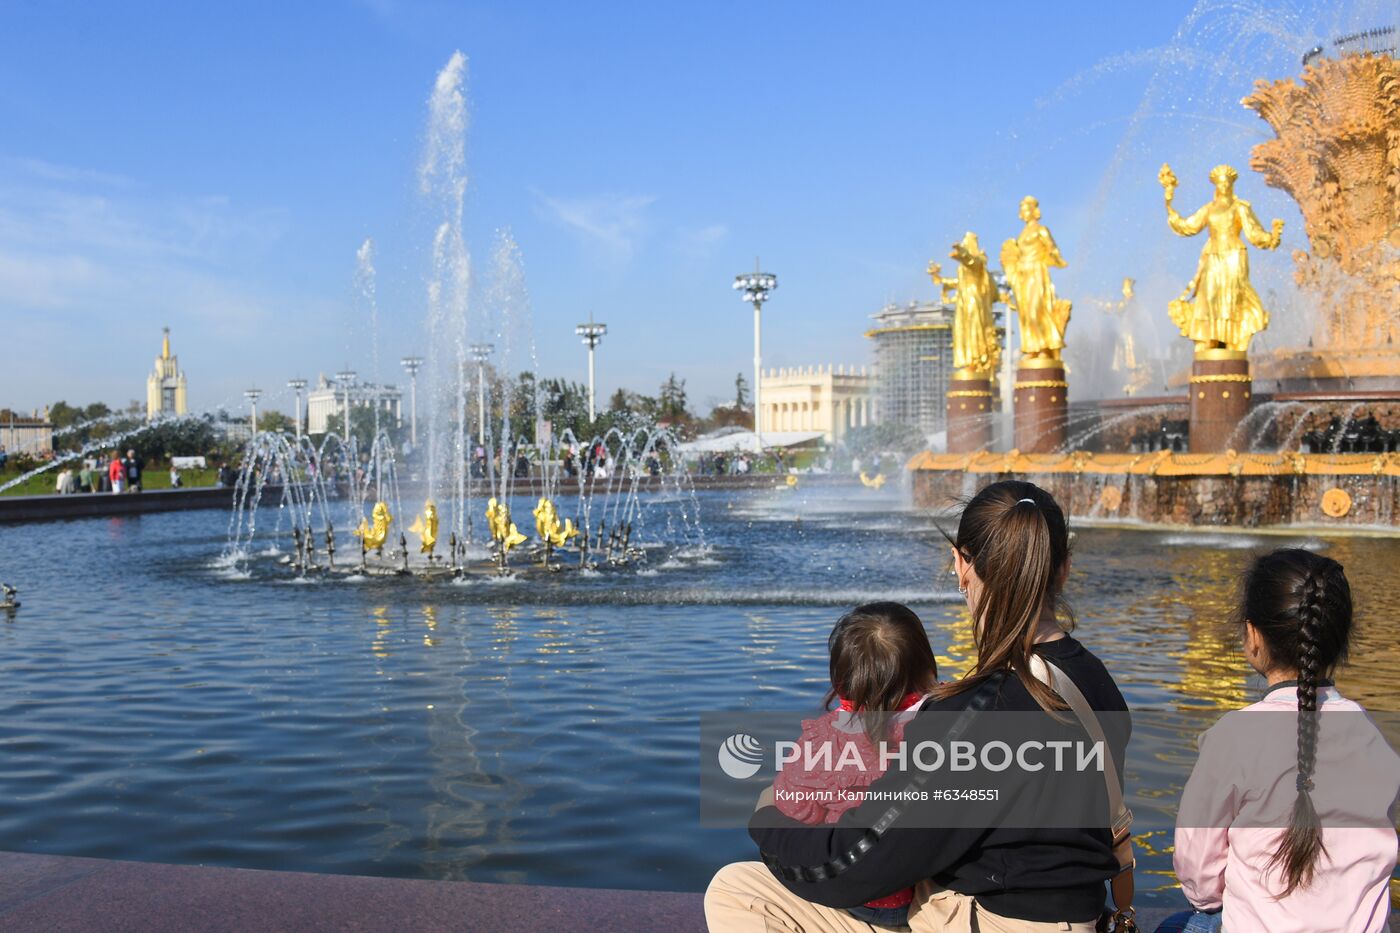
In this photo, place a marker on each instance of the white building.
(829, 399)
(26, 434)
(329, 397)
(166, 392)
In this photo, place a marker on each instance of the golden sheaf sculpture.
(976, 349)
(1337, 153)
(1219, 308)
(375, 532)
(425, 526)
(1027, 261)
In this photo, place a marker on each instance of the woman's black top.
(1047, 875)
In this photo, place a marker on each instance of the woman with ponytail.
(1007, 873)
(1285, 824)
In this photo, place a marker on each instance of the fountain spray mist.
(365, 285)
(442, 179)
(508, 301)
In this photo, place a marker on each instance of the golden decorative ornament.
(1336, 502)
(1111, 498)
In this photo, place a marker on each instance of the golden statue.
(1125, 351)
(425, 526)
(375, 532)
(1219, 308)
(1027, 261)
(976, 349)
(503, 530)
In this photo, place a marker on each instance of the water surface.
(160, 704)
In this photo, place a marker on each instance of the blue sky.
(215, 168)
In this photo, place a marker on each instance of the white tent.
(747, 441)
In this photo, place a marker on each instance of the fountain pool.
(161, 704)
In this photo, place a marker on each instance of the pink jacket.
(1240, 796)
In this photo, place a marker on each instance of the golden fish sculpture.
(550, 529)
(503, 530)
(375, 532)
(425, 526)
(872, 482)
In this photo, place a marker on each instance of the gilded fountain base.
(1350, 491)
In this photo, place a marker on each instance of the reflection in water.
(542, 733)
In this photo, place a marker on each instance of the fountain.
(1320, 448)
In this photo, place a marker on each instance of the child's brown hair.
(880, 654)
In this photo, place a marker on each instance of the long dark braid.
(1300, 603)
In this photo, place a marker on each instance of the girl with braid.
(1286, 824)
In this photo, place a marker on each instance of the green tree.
(741, 391)
(362, 426)
(275, 421)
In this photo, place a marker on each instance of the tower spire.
(165, 345)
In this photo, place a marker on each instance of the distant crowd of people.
(115, 474)
(122, 474)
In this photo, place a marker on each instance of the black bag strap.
(982, 699)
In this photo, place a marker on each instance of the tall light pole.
(412, 364)
(481, 352)
(346, 377)
(592, 335)
(755, 287)
(296, 385)
(252, 395)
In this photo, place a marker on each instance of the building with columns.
(329, 396)
(913, 363)
(829, 399)
(166, 392)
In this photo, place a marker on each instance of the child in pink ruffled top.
(881, 665)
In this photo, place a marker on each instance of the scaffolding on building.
(913, 363)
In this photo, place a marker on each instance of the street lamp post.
(412, 364)
(296, 385)
(252, 395)
(481, 352)
(592, 335)
(755, 287)
(346, 377)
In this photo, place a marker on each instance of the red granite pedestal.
(1221, 393)
(969, 412)
(1041, 399)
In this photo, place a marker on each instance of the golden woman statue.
(1219, 308)
(975, 346)
(1027, 261)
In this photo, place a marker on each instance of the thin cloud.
(700, 243)
(617, 223)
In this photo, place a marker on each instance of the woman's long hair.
(1300, 604)
(1015, 536)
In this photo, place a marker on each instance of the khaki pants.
(745, 898)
